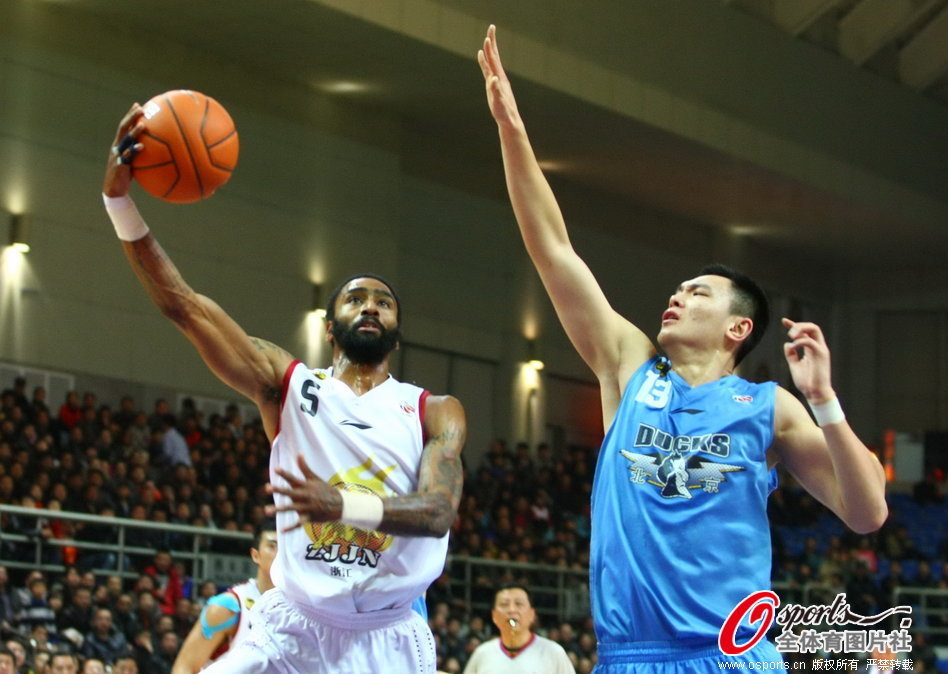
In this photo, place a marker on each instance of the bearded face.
(365, 340)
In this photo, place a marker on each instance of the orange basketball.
(190, 147)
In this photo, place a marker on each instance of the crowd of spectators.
(520, 506)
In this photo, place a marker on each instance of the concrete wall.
(324, 189)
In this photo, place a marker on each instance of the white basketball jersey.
(368, 443)
(247, 595)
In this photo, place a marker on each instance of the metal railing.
(199, 554)
(555, 591)
(558, 592)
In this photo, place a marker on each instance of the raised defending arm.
(602, 337)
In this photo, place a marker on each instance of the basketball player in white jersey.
(225, 620)
(366, 470)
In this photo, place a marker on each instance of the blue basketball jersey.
(679, 520)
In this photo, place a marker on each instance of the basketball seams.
(210, 146)
(172, 162)
(187, 143)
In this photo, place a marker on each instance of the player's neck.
(515, 640)
(360, 377)
(263, 582)
(699, 367)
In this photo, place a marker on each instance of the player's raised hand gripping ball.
(190, 146)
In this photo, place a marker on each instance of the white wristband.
(829, 412)
(361, 510)
(128, 223)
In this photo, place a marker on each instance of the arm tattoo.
(430, 511)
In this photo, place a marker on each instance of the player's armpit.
(432, 509)
(217, 624)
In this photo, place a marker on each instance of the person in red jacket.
(168, 588)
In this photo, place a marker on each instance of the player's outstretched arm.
(826, 457)
(216, 626)
(602, 337)
(252, 367)
(430, 511)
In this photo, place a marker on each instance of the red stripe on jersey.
(422, 399)
(284, 387)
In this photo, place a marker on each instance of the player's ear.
(740, 328)
(329, 339)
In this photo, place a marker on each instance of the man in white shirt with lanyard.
(365, 470)
(518, 650)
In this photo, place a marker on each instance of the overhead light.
(532, 359)
(20, 225)
(342, 86)
(317, 305)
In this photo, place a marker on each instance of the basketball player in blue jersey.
(679, 529)
(365, 470)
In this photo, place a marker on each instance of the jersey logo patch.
(743, 399)
(335, 543)
(676, 474)
(406, 408)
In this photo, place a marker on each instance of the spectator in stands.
(167, 650)
(36, 610)
(40, 642)
(104, 641)
(78, 612)
(20, 654)
(924, 577)
(64, 663)
(93, 666)
(862, 591)
(7, 661)
(38, 403)
(7, 607)
(893, 579)
(173, 447)
(124, 617)
(865, 554)
(144, 653)
(125, 665)
(161, 415)
(898, 544)
(70, 412)
(139, 432)
(168, 589)
(147, 610)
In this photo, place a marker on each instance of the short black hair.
(513, 586)
(749, 300)
(331, 304)
(263, 526)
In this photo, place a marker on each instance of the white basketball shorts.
(286, 639)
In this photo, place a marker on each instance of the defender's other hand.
(809, 359)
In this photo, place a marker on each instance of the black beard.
(365, 348)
